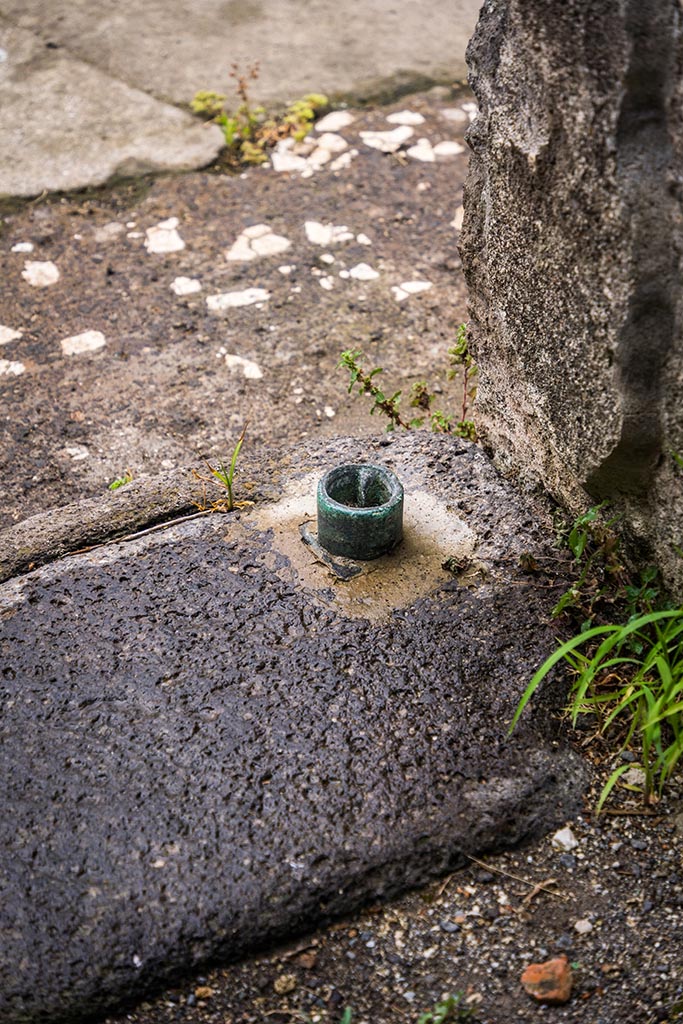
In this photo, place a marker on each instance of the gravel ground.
(611, 905)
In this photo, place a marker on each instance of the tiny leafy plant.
(449, 1010)
(248, 130)
(595, 547)
(421, 398)
(387, 405)
(121, 481)
(224, 476)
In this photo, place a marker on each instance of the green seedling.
(387, 405)
(121, 481)
(225, 476)
(449, 1010)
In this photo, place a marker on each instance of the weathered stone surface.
(207, 742)
(571, 247)
(65, 124)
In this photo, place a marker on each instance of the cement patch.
(203, 750)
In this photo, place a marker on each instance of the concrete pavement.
(88, 93)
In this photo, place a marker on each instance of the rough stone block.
(571, 248)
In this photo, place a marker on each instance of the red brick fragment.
(550, 982)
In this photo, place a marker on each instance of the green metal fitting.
(360, 511)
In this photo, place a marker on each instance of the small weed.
(248, 130)
(421, 398)
(449, 1010)
(224, 476)
(627, 669)
(595, 547)
(641, 693)
(387, 405)
(121, 481)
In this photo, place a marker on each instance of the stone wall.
(572, 251)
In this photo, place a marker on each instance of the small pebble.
(449, 926)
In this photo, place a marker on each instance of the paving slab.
(89, 93)
(208, 741)
(65, 124)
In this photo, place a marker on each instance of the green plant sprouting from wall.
(249, 131)
(421, 398)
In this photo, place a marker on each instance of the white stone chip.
(256, 231)
(634, 776)
(335, 121)
(185, 285)
(326, 234)
(564, 840)
(23, 247)
(7, 334)
(316, 160)
(11, 369)
(327, 283)
(77, 452)
(328, 258)
(344, 161)
(471, 109)
(270, 244)
(131, 235)
(332, 143)
(388, 142)
(363, 239)
(363, 272)
(415, 287)
(457, 220)
(250, 369)
(39, 273)
(406, 117)
(89, 341)
(407, 288)
(163, 237)
(583, 926)
(286, 268)
(448, 148)
(232, 300)
(283, 161)
(108, 231)
(241, 250)
(422, 150)
(455, 114)
(329, 412)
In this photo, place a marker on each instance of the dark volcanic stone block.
(207, 742)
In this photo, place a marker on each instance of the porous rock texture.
(202, 751)
(571, 249)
